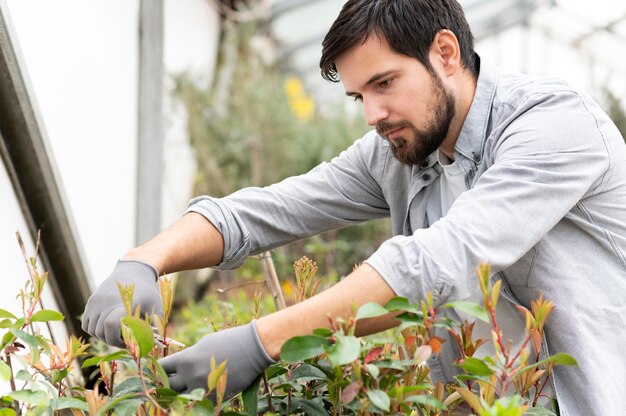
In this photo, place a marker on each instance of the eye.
(385, 83)
(357, 98)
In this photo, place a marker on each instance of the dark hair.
(409, 26)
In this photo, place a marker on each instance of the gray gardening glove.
(241, 346)
(104, 308)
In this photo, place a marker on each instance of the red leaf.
(372, 355)
(349, 393)
(435, 344)
(409, 341)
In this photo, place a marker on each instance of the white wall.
(191, 41)
(82, 60)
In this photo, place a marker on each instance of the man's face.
(407, 105)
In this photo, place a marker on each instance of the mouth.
(391, 134)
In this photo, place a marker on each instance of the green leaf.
(379, 399)
(373, 370)
(46, 315)
(96, 360)
(60, 403)
(560, 358)
(426, 400)
(307, 372)
(302, 348)
(469, 308)
(250, 398)
(323, 332)
(6, 323)
(402, 304)
(195, 394)
(160, 373)
(5, 372)
(475, 366)
(6, 314)
(274, 371)
(142, 332)
(370, 310)
(30, 340)
(131, 385)
(216, 374)
(128, 407)
(310, 407)
(539, 411)
(206, 408)
(58, 375)
(7, 412)
(345, 350)
(27, 338)
(111, 404)
(32, 397)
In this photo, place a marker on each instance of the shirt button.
(426, 177)
(424, 164)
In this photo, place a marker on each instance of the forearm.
(191, 242)
(362, 286)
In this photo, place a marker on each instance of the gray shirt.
(546, 172)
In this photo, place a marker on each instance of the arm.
(361, 286)
(191, 242)
(251, 348)
(333, 195)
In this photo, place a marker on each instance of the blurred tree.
(256, 126)
(615, 110)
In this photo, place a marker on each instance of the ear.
(445, 51)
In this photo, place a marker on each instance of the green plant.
(333, 371)
(330, 371)
(39, 372)
(134, 382)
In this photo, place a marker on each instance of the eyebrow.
(373, 79)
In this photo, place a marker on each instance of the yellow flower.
(300, 103)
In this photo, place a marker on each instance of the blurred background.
(114, 113)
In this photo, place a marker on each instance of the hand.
(241, 346)
(104, 308)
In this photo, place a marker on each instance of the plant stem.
(31, 273)
(545, 382)
(12, 382)
(269, 394)
(145, 388)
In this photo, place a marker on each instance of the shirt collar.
(475, 128)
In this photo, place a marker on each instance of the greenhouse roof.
(596, 29)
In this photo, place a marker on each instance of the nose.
(375, 111)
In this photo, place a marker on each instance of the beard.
(424, 142)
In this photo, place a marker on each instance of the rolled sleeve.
(236, 236)
(342, 192)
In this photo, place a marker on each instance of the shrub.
(330, 371)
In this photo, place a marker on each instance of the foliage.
(337, 373)
(256, 126)
(330, 371)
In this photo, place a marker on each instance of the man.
(471, 164)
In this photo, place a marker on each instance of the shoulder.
(546, 116)
(548, 107)
(519, 91)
